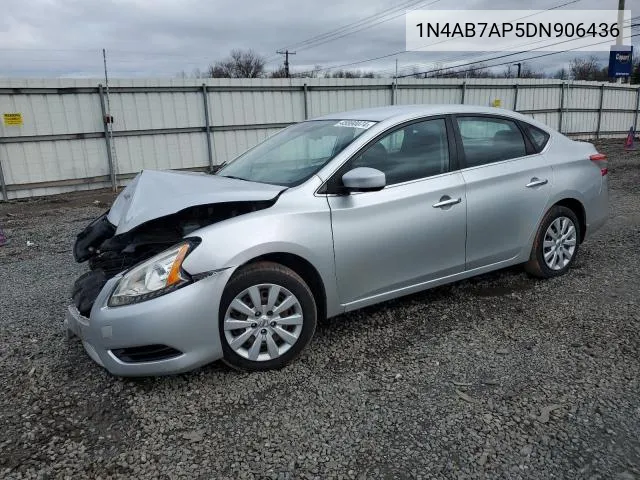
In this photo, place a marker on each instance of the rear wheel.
(556, 244)
(267, 316)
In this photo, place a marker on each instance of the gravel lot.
(501, 376)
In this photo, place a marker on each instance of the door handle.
(536, 182)
(446, 201)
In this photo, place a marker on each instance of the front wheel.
(556, 244)
(267, 316)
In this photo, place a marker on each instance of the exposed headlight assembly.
(154, 277)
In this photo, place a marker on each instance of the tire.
(282, 332)
(556, 263)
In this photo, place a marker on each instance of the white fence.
(62, 143)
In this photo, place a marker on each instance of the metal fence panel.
(161, 123)
(41, 161)
(412, 96)
(580, 122)
(143, 111)
(159, 152)
(486, 96)
(548, 118)
(52, 114)
(539, 97)
(324, 102)
(622, 99)
(255, 107)
(580, 97)
(617, 122)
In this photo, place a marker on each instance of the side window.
(487, 140)
(538, 137)
(393, 141)
(415, 151)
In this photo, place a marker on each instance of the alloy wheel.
(263, 322)
(559, 243)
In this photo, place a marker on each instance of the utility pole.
(286, 54)
(519, 68)
(394, 91)
(620, 21)
(108, 119)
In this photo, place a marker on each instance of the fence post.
(107, 139)
(306, 106)
(515, 97)
(464, 90)
(393, 93)
(3, 185)
(561, 107)
(207, 125)
(600, 110)
(635, 115)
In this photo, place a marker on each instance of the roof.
(379, 114)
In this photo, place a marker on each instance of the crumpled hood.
(153, 194)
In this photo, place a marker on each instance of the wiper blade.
(216, 168)
(235, 178)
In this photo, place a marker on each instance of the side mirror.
(364, 179)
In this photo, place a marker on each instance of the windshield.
(296, 153)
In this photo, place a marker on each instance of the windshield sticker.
(355, 124)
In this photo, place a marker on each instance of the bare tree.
(415, 72)
(561, 74)
(506, 73)
(315, 73)
(280, 72)
(587, 69)
(239, 64)
(349, 74)
(478, 71)
(527, 72)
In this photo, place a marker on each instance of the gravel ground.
(500, 376)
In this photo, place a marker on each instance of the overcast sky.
(160, 38)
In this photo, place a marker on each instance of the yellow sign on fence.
(497, 103)
(12, 119)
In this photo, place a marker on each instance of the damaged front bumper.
(170, 334)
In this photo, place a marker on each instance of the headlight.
(154, 277)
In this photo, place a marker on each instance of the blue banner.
(620, 61)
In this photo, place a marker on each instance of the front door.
(413, 230)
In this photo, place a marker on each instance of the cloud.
(151, 38)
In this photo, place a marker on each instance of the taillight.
(601, 160)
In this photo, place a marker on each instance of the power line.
(489, 59)
(510, 61)
(450, 60)
(364, 24)
(401, 52)
(357, 23)
(331, 39)
(517, 53)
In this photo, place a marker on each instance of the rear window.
(490, 139)
(538, 137)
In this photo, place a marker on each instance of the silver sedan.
(327, 216)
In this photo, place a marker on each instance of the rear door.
(508, 185)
